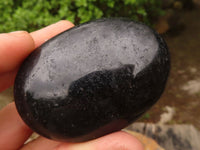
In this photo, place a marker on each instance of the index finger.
(44, 34)
(15, 47)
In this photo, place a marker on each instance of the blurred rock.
(193, 70)
(170, 137)
(192, 87)
(167, 116)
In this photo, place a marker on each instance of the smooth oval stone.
(92, 80)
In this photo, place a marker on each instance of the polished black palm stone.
(92, 80)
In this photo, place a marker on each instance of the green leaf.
(142, 12)
(81, 3)
(129, 2)
(32, 15)
(111, 3)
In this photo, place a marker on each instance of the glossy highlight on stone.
(91, 80)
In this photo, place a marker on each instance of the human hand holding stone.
(14, 48)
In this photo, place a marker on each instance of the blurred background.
(177, 20)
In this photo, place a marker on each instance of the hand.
(14, 48)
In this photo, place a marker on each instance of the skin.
(13, 131)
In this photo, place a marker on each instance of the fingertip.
(22, 35)
(41, 143)
(115, 141)
(15, 47)
(66, 22)
(18, 33)
(129, 141)
(119, 141)
(44, 34)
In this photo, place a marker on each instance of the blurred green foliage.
(33, 14)
(145, 116)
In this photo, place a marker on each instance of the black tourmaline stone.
(92, 80)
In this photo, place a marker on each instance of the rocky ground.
(183, 89)
(169, 137)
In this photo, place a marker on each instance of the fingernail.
(18, 33)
